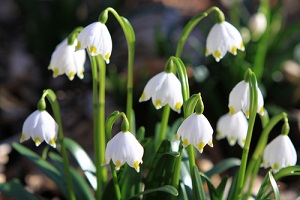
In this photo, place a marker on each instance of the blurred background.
(31, 29)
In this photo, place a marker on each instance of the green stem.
(115, 181)
(253, 110)
(98, 146)
(56, 111)
(190, 26)
(130, 39)
(175, 181)
(258, 152)
(163, 125)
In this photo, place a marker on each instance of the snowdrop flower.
(122, 148)
(221, 38)
(258, 24)
(64, 59)
(195, 130)
(40, 126)
(233, 127)
(96, 38)
(164, 88)
(279, 153)
(239, 99)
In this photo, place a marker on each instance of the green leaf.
(199, 185)
(83, 159)
(166, 188)
(288, 171)
(215, 193)
(15, 190)
(162, 171)
(82, 190)
(223, 166)
(263, 190)
(43, 165)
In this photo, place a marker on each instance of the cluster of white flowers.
(164, 88)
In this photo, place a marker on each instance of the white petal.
(152, 85)
(238, 97)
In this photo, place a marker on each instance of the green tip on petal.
(185, 142)
(275, 167)
(93, 49)
(176, 136)
(37, 141)
(118, 165)
(22, 137)
(136, 166)
(143, 97)
(55, 72)
(231, 110)
(200, 147)
(78, 46)
(107, 56)
(217, 54)
(234, 50)
(158, 103)
(71, 75)
(52, 142)
(178, 106)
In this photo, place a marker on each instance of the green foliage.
(268, 182)
(16, 190)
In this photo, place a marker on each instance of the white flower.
(279, 153)
(233, 127)
(195, 130)
(239, 99)
(122, 148)
(164, 88)
(64, 59)
(40, 126)
(258, 24)
(221, 38)
(96, 38)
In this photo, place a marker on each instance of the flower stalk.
(56, 111)
(253, 110)
(130, 39)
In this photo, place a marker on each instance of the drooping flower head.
(221, 38)
(123, 148)
(96, 39)
(279, 153)
(234, 127)
(195, 129)
(257, 24)
(164, 88)
(40, 126)
(239, 99)
(65, 60)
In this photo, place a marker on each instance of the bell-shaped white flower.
(195, 130)
(279, 153)
(40, 126)
(122, 148)
(221, 38)
(233, 127)
(164, 88)
(65, 60)
(239, 99)
(96, 39)
(258, 24)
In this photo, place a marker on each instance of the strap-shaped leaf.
(43, 165)
(288, 171)
(166, 188)
(83, 160)
(263, 190)
(223, 166)
(200, 193)
(82, 190)
(215, 193)
(15, 190)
